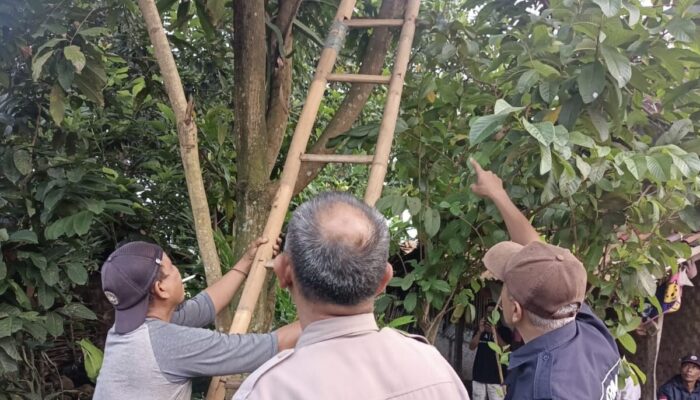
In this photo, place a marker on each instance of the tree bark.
(254, 190)
(281, 81)
(187, 135)
(355, 100)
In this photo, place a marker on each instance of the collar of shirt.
(677, 381)
(545, 343)
(332, 328)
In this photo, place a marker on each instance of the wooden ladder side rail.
(391, 108)
(292, 165)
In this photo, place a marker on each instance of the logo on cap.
(112, 298)
(694, 358)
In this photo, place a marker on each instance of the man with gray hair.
(568, 351)
(334, 264)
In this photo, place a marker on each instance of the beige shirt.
(350, 358)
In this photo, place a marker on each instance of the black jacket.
(675, 390)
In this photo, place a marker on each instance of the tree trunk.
(187, 135)
(253, 192)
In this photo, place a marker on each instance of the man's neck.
(530, 333)
(160, 311)
(690, 385)
(309, 312)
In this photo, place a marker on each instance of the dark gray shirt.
(158, 359)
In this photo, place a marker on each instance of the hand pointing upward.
(487, 184)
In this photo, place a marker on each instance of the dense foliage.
(587, 109)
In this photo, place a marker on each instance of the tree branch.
(187, 135)
(357, 96)
(281, 81)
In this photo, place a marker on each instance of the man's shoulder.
(260, 378)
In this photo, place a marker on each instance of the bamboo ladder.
(296, 155)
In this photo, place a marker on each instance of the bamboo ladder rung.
(373, 23)
(359, 78)
(338, 158)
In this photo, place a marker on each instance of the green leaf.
(601, 124)
(545, 159)
(631, 166)
(484, 126)
(682, 29)
(413, 205)
(544, 132)
(25, 235)
(431, 221)
(582, 140)
(656, 172)
(591, 82)
(46, 297)
(7, 364)
(81, 222)
(503, 107)
(23, 161)
(54, 324)
(66, 74)
(549, 90)
(568, 183)
(57, 228)
(3, 269)
(409, 303)
(633, 13)
(618, 65)
(57, 105)
(38, 64)
(9, 326)
(93, 358)
(676, 132)
(527, 80)
(50, 275)
(77, 310)
(441, 286)
(583, 167)
(10, 348)
(543, 69)
(627, 341)
(75, 56)
(609, 7)
(76, 273)
(401, 321)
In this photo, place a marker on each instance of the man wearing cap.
(568, 352)
(334, 264)
(686, 385)
(157, 343)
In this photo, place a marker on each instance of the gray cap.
(127, 278)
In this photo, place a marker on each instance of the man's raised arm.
(490, 186)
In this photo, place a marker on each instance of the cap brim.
(129, 319)
(498, 256)
(696, 362)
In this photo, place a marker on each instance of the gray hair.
(327, 268)
(550, 324)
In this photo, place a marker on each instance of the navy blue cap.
(127, 278)
(691, 358)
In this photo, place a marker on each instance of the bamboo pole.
(374, 23)
(187, 136)
(391, 109)
(338, 158)
(359, 78)
(292, 164)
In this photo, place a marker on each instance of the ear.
(518, 312)
(388, 274)
(282, 265)
(159, 291)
